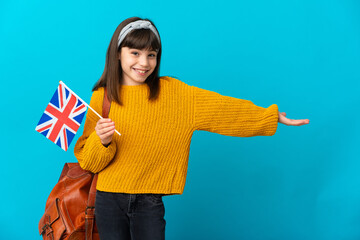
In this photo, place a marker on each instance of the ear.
(119, 54)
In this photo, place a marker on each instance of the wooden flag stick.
(61, 82)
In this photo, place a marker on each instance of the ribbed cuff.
(272, 119)
(96, 155)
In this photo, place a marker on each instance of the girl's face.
(136, 65)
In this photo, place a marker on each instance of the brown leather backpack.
(69, 211)
(70, 207)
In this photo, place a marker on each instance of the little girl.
(156, 117)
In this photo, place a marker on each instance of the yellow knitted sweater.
(151, 155)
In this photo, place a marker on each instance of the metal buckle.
(88, 207)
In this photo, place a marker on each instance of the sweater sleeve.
(232, 116)
(89, 151)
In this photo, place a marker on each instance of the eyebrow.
(131, 49)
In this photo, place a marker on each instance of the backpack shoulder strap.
(106, 105)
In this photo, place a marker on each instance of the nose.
(144, 61)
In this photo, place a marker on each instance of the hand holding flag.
(63, 116)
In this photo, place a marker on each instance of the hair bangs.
(141, 39)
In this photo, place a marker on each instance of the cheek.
(123, 67)
(153, 63)
(127, 60)
(126, 65)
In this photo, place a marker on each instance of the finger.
(104, 125)
(293, 122)
(305, 121)
(101, 126)
(283, 113)
(105, 130)
(104, 120)
(108, 134)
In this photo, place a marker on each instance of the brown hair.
(112, 76)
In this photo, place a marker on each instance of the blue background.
(301, 183)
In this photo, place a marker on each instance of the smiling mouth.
(140, 71)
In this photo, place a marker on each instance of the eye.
(135, 53)
(152, 55)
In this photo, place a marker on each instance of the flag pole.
(61, 82)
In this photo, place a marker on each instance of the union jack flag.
(62, 117)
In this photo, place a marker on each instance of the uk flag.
(62, 117)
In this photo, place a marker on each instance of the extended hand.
(291, 122)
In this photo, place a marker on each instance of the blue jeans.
(121, 216)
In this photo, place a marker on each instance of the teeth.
(140, 71)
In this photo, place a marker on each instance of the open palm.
(291, 122)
